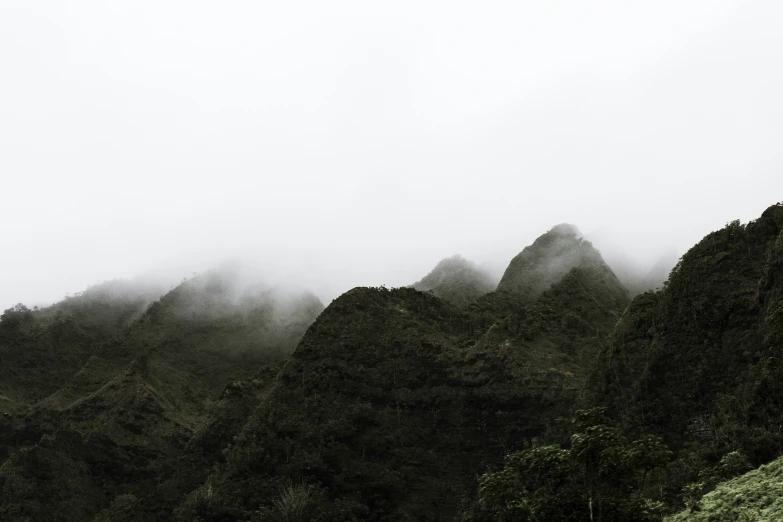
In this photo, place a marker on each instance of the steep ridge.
(197, 338)
(540, 355)
(141, 396)
(346, 414)
(457, 280)
(546, 261)
(699, 362)
(559, 335)
(41, 349)
(394, 400)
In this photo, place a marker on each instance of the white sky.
(352, 143)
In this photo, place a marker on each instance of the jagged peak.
(545, 262)
(457, 280)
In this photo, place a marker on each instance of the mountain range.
(563, 391)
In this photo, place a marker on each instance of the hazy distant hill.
(457, 280)
(41, 349)
(546, 261)
(638, 279)
(658, 273)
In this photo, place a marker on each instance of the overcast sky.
(354, 143)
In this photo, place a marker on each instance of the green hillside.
(698, 362)
(756, 496)
(142, 395)
(41, 349)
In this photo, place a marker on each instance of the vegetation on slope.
(601, 475)
(41, 349)
(756, 496)
(547, 260)
(144, 394)
(457, 280)
(698, 363)
(394, 401)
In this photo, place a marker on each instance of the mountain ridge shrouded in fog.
(546, 261)
(400, 261)
(232, 398)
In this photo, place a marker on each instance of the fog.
(336, 144)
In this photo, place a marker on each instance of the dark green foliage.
(146, 401)
(16, 318)
(52, 473)
(368, 385)
(601, 476)
(41, 349)
(390, 408)
(699, 363)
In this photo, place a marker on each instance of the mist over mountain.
(141, 388)
(228, 282)
(639, 278)
(41, 348)
(231, 397)
(457, 280)
(547, 260)
(659, 273)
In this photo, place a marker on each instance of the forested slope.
(395, 400)
(125, 417)
(699, 362)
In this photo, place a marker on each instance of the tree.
(601, 478)
(16, 316)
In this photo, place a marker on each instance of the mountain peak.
(457, 280)
(545, 262)
(564, 229)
